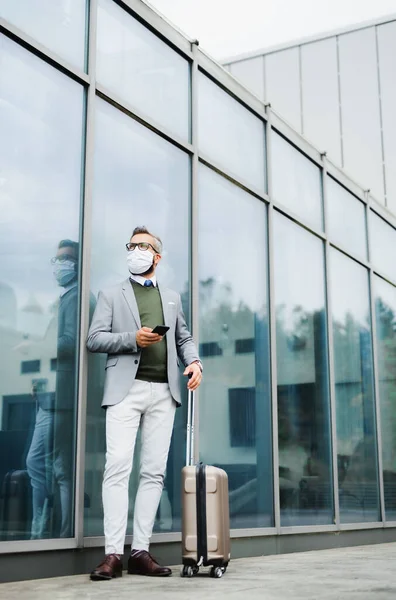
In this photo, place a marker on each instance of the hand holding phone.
(160, 330)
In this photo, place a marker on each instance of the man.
(50, 457)
(141, 388)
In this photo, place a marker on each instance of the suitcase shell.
(205, 511)
(15, 505)
(206, 542)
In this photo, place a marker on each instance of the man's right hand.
(145, 338)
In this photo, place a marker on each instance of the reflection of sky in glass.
(299, 270)
(138, 66)
(140, 179)
(346, 219)
(57, 24)
(349, 289)
(382, 245)
(232, 253)
(40, 165)
(296, 181)
(230, 134)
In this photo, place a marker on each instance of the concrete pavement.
(361, 573)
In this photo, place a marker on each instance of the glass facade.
(385, 316)
(235, 409)
(40, 180)
(137, 66)
(230, 135)
(354, 389)
(304, 433)
(386, 40)
(339, 91)
(132, 162)
(301, 190)
(295, 335)
(346, 216)
(60, 26)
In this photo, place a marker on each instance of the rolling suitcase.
(15, 517)
(205, 512)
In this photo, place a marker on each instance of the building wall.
(338, 92)
(284, 266)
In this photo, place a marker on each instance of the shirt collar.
(141, 280)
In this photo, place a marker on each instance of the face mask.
(64, 272)
(139, 261)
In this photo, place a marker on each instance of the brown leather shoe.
(141, 562)
(111, 566)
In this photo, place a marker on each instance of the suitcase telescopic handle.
(190, 428)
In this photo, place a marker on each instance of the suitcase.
(15, 518)
(205, 512)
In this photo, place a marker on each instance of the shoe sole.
(149, 574)
(104, 577)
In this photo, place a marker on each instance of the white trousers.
(151, 406)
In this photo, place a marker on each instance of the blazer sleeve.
(185, 345)
(101, 338)
(67, 336)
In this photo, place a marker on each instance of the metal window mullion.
(194, 274)
(272, 329)
(377, 404)
(40, 51)
(300, 81)
(340, 102)
(381, 113)
(123, 105)
(330, 337)
(377, 399)
(85, 277)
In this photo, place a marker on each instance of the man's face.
(145, 237)
(66, 253)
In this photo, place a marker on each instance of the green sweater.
(153, 360)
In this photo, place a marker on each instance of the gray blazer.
(113, 331)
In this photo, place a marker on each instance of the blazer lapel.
(129, 295)
(168, 307)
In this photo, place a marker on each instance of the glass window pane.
(346, 216)
(386, 57)
(235, 400)
(140, 179)
(320, 101)
(230, 134)
(40, 182)
(58, 25)
(361, 127)
(382, 245)
(353, 372)
(385, 312)
(305, 472)
(139, 67)
(251, 74)
(296, 181)
(282, 84)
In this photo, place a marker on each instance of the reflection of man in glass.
(49, 461)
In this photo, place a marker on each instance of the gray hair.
(143, 229)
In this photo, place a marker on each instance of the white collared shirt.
(140, 279)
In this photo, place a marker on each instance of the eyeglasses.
(141, 245)
(62, 258)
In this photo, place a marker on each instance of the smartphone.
(160, 329)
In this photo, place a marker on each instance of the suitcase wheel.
(188, 571)
(217, 572)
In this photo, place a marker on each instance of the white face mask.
(139, 261)
(64, 272)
